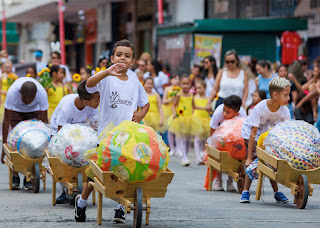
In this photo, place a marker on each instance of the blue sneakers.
(245, 197)
(280, 197)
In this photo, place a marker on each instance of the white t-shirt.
(217, 117)
(67, 113)
(119, 99)
(158, 81)
(209, 86)
(262, 118)
(14, 100)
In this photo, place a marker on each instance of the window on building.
(314, 3)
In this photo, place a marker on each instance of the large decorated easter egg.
(134, 152)
(227, 137)
(30, 138)
(71, 142)
(296, 141)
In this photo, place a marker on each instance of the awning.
(237, 25)
(47, 10)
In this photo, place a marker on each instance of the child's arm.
(5, 129)
(175, 104)
(112, 70)
(165, 99)
(44, 116)
(194, 106)
(160, 109)
(251, 145)
(138, 116)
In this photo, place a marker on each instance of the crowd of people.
(184, 109)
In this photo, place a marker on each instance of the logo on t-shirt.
(115, 99)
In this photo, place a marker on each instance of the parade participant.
(39, 64)
(257, 96)
(26, 99)
(72, 109)
(231, 107)
(184, 125)
(31, 72)
(168, 97)
(265, 76)
(201, 100)
(154, 117)
(265, 115)
(160, 79)
(58, 90)
(56, 61)
(85, 73)
(120, 94)
(209, 73)
(231, 80)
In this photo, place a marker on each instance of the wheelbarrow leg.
(54, 188)
(210, 178)
(99, 209)
(259, 186)
(93, 197)
(10, 179)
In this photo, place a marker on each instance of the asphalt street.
(186, 204)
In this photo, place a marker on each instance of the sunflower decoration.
(11, 78)
(175, 91)
(45, 78)
(98, 69)
(90, 67)
(28, 76)
(180, 111)
(76, 77)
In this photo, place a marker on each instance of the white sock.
(82, 202)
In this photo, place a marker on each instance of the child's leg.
(82, 200)
(185, 145)
(198, 147)
(274, 185)
(178, 146)
(247, 183)
(171, 141)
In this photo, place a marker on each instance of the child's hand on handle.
(248, 162)
(116, 69)
(137, 117)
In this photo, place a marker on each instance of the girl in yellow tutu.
(201, 100)
(6, 80)
(169, 94)
(184, 124)
(58, 90)
(154, 117)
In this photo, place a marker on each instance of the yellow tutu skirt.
(205, 125)
(152, 119)
(185, 125)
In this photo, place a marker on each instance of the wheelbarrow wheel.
(36, 177)
(79, 183)
(301, 198)
(242, 176)
(137, 220)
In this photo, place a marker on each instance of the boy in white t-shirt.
(72, 109)
(230, 108)
(265, 115)
(121, 95)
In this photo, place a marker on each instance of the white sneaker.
(179, 153)
(171, 152)
(230, 187)
(185, 163)
(218, 186)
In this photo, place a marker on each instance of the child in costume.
(58, 90)
(85, 73)
(169, 94)
(184, 124)
(257, 96)
(201, 100)
(230, 108)
(121, 94)
(265, 114)
(72, 109)
(154, 117)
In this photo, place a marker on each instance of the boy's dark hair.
(125, 43)
(233, 102)
(54, 68)
(262, 94)
(83, 93)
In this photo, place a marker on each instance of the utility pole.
(61, 33)
(4, 29)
